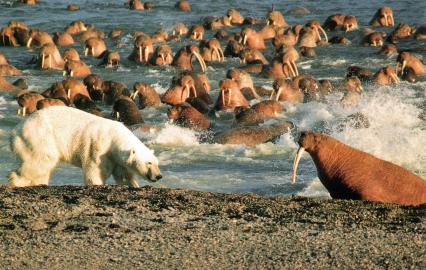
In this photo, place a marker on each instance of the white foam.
(315, 189)
(160, 89)
(396, 133)
(176, 136)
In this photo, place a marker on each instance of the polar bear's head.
(142, 161)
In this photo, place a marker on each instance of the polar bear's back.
(63, 131)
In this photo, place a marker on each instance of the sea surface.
(397, 131)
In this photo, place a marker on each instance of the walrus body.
(252, 136)
(348, 173)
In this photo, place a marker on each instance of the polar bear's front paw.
(17, 181)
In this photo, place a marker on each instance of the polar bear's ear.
(132, 156)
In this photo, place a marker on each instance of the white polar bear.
(99, 146)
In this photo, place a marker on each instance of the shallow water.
(396, 133)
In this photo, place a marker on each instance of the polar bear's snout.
(153, 174)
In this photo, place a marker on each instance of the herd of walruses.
(347, 173)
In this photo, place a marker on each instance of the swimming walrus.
(253, 135)
(348, 173)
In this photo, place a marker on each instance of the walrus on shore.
(348, 173)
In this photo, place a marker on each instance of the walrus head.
(307, 141)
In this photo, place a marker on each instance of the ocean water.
(397, 131)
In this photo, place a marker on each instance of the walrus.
(253, 135)
(126, 111)
(147, 95)
(247, 117)
(187, 116)
(349, 173)
(48, 102)
(86, 104)
(28, 102)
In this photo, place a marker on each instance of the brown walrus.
(48, 102)
(253, 135)
(28, 102)
(126, 111)
(348, 173)
(187, 116)
(147, 95)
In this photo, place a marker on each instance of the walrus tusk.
(71, 73)
(145, 54)
(24, 110)
(277, 98)
(29, 42)
(295, 67)
(200, 60)
(133, 95)
(222, 54)
(392, 21)
(19, 110)
(395, 78)
(50, 61)
(325, 34)
(140, 53)
(296, 163)
(272, 95)
(244, 39)
(216, 52)
(291, 68)
(174, 33)
(317, 31)
(229, 95)
(117, 115)
(69, 93)
(223, 98)
(64, 73)
(93, 51)
(185, 93)
(404, 63)
(86, 51)
(42, 61)
(193, 91)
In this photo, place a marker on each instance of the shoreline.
(113, 226)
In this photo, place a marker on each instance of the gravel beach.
(116, 227)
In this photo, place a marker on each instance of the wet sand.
(115, 227)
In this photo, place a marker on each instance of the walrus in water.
(348, 173)
(254, 135)
(187, 116)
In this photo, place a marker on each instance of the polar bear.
(99, 146)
